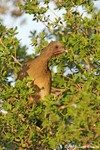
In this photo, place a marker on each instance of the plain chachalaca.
(39, 72)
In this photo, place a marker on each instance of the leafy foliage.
(71, 114)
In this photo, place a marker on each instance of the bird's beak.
(66, 50)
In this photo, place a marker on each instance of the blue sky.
(29, 25)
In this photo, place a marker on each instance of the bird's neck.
(44, 58)
(42, 62)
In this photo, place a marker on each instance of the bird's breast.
(42, 78)
(44, 84)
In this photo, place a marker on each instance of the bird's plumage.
(39, 72)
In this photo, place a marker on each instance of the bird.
(39, 72)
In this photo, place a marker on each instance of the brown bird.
(39, 72)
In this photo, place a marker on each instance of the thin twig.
(16, 60)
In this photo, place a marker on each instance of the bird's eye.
(56, 47)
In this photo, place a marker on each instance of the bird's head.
(54, 48)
